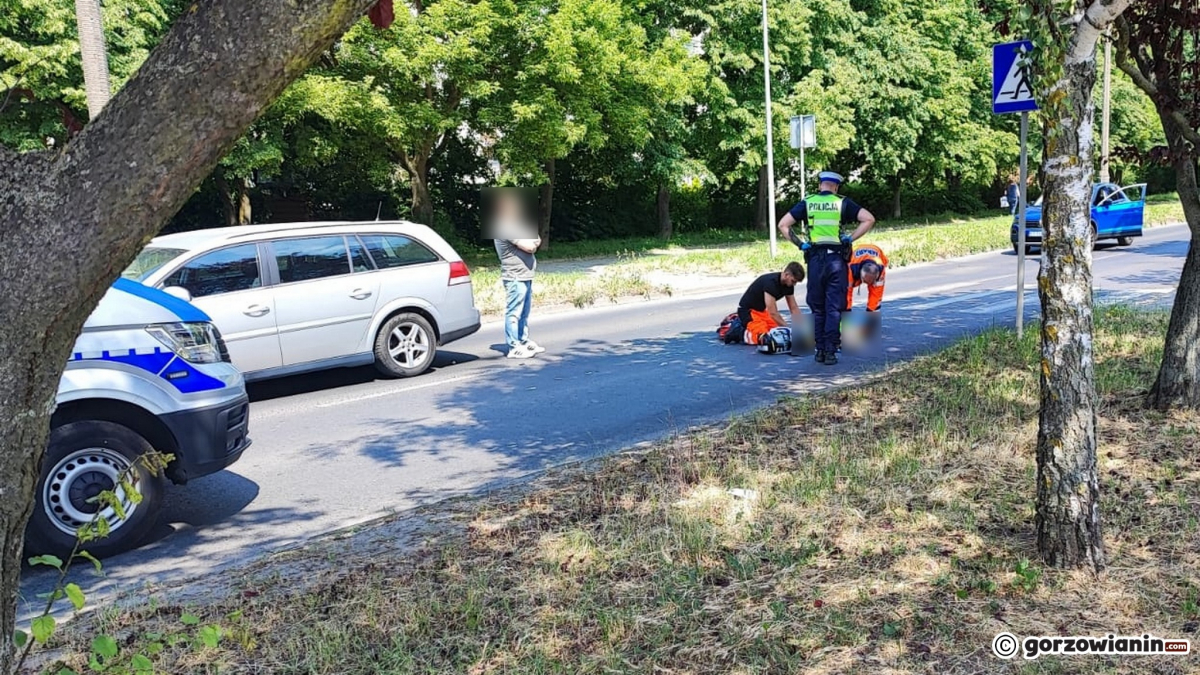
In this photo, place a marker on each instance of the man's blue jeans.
(519, 296)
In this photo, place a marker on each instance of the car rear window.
(395, 250)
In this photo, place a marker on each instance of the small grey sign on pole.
(1012, 92)
(804, 135)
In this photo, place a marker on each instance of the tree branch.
(1147, 85)
(1096, 19)
(135, 165)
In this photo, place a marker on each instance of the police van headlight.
(193, 342)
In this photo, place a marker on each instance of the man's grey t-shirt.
(515, 264)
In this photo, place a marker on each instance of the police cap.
(830, 176)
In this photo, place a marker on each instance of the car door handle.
(256, 310)
(360, 294)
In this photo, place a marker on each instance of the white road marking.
(965, 297)
(393, 392)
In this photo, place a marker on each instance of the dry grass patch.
(886, 528)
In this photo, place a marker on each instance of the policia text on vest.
(827, 250)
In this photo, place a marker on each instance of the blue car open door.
(1120, 213)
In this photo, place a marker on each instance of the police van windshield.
(149, 260)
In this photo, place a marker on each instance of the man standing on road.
(827, 251)
(516, 240)
(758, 310)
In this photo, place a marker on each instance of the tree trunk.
(897, 184)
(1178, 382)
(244, 212)
(761, 213)
(546, 205)
(94, 55)
(1068, 488)
(108, 191)
(227, 204)
(664, 212)
(417, 167)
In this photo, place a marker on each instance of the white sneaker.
(520, 352)
(533, 347)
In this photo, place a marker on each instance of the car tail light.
(459, 274)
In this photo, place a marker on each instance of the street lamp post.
(1104, 176)
(770, 140)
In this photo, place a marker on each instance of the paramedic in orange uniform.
(759, 310)
(868, 265)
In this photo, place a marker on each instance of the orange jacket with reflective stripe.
(863, 253)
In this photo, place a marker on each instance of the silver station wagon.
(293, 298)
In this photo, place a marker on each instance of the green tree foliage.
(639, 103)
(41, 74)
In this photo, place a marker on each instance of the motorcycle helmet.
(776, 341)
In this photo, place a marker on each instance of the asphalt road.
(339, 448)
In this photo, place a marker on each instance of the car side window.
(358, 255)
(394, 250)
(311, 258)
(223, 271)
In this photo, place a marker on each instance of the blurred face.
(831, 186)
(870, 276)
(788, 280)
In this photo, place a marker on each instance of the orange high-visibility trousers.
(760, 324)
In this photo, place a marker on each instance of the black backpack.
(731, 329)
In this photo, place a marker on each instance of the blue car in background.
(1117, 213)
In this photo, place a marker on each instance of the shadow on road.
(337, 378)
(596, 396)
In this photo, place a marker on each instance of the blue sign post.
(1012, 91)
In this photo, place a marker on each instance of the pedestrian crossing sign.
(1012, 85)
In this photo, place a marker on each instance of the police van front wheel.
(82, 460)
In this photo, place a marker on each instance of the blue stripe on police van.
(186, 311)
(186, 378)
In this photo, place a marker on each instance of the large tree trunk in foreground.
(664, 211)
(100, 199)
(546, 205)
(1178, 382)
(1068, 488)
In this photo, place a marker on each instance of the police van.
(149, 372)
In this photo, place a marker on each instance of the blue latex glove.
(805, 246)
(847, 239)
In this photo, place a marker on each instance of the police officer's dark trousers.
(827, 287)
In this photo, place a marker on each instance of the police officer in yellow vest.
(826, 251)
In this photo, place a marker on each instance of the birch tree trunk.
(1068, 489)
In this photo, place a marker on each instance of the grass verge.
(882, 529)
(651, 268)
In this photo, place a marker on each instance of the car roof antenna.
(378, 210)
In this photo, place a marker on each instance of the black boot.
(830, 359)
(821, 356)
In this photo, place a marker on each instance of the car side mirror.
(179, 292)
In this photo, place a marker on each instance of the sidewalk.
(678, 285)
